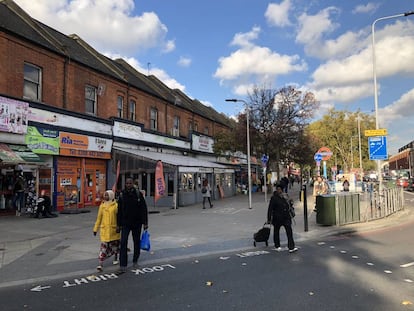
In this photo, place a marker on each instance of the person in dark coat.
(278, 215)
(132, 216)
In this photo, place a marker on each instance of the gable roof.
(15, 21)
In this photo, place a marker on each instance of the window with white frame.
(132, 110)
(206, 130)
(120, 107)
(90, 99)
(176, 127)
(154, 119)
(32, 86)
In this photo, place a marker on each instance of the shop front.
(183, 174)
(80, 170)
(17, 162)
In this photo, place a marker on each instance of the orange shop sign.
(73, 141)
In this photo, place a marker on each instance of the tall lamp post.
(249, 177)
(359, 147)
(374, 65)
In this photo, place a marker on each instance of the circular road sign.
(325, 152)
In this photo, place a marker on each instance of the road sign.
(317, 157)
(325, 152)
(377, 148)
(377, 132)
(265, 158)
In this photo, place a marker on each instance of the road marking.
(250, 254)
(406, 265)
(39, 288)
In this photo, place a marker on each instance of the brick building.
(79, 114)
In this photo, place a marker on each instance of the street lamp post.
(374, 65)
(249, 177)
(359, 147)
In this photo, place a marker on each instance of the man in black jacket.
(278, 215)
(132, 216)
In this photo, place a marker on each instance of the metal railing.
(376, 205)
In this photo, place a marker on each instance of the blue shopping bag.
(145, 241)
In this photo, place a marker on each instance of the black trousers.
(289, 234)
(136, 237)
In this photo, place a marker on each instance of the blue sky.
(213, 50)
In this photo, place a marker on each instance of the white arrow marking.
(407, 265)
(39, 288)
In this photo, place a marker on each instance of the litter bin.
(325, 210)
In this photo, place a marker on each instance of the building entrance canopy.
(17, 154)
(184, 163)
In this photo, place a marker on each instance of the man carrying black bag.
(278, 215)
(132, 216)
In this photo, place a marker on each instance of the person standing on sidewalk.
(320, 187)
(19, 191)
(278, 215)
(132, 216)
(106, 223)
(206, 191)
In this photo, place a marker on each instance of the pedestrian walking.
(132, 216)
(19, 189)
(107, 224)
(206, 191)
(278, 215)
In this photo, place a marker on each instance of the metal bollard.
(305, 209)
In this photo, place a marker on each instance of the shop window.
(170, 184)
(120, 107)
(90, 100)
(187, 182)
(229, 180)
(32, 86)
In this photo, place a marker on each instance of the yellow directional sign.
(378, 132)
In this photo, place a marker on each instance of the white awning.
(184, 163)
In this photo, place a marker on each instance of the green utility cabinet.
(338, 209)
(325, 210)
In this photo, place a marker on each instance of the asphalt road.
(369, 271)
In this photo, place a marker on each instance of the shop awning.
(17, 154)
(172, 159)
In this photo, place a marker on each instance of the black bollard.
(305, 208)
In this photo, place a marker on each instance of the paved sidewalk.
(34, 250)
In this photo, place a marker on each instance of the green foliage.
(338, 130)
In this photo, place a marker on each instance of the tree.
(336, 129)
(278, 119)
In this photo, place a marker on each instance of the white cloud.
(401, 108)
(312, 27)
(104, 24)
(169, 46)
(344, 94)
(278, 14)
(184, 61)
(367, 8)
(159, 73)
(346, 44)
(244, 39)
(252, 64)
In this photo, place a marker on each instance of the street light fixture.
(249, 177)
(375, 81)
(359, 147)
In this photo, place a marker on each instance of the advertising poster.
(13, 115)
